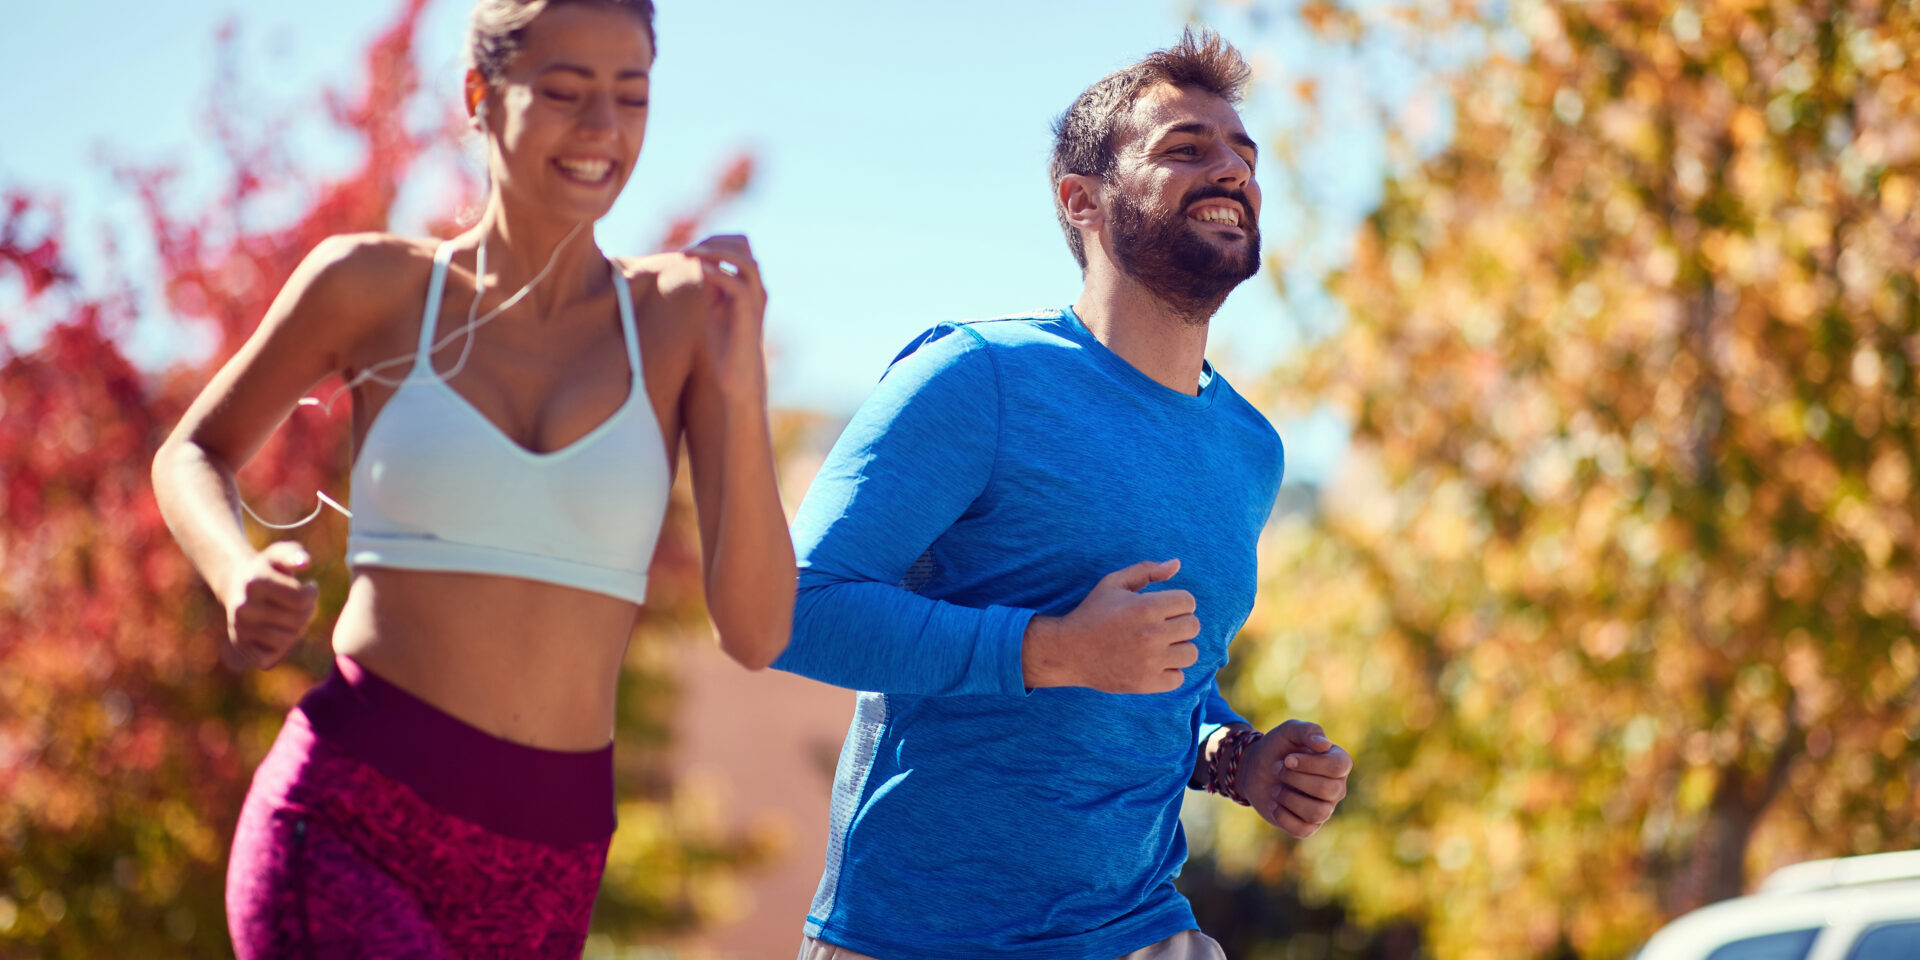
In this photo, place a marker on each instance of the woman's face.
(566, 121)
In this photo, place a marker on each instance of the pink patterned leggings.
(334, 858)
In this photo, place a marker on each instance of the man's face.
(1183, 204)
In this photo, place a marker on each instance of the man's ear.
(1082, 198)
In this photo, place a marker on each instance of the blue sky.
(902, 147)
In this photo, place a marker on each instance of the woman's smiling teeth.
(585, 171)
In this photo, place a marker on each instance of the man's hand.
(1118, 640)
(1295, 777)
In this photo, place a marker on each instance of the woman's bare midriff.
(530, 662)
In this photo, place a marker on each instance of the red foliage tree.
(125, 742)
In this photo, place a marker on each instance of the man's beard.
(1167, 255)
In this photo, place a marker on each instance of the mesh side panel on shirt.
(918, 574)
(856, 762)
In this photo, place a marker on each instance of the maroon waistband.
(548, 796)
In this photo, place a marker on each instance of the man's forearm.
(865, 635)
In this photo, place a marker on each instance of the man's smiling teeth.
(1226, 215)
(591, 171)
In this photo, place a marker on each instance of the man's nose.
(1229, 167)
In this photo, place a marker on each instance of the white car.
(1853, 908)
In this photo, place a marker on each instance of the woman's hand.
(746, 555)
(736, 302)
(268, 606)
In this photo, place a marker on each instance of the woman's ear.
(476, 93)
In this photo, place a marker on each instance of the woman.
(448, 791)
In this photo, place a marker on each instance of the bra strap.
(423, 357)
(623, 291)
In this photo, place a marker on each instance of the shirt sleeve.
(909, 464)
(1214, 712)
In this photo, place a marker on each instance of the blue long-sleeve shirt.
(1000, 469)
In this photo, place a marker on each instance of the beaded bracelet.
(1210, 779)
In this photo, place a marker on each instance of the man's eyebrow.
(1196, 128)
(565, 67)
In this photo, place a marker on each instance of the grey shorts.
(1187, 945)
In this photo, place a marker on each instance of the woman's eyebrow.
(632, 73)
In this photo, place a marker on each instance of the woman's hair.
(499, 26)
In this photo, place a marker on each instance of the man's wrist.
(1037, 645)
(1226, 768)
(1203, 769)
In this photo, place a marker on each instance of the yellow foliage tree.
(1616, 598)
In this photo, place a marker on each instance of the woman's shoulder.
(371, 261)
(363, 274)
(674, 278)
(344, 297)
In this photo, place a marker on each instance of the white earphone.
(372, 372)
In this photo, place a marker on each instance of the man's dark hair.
(1083, 137)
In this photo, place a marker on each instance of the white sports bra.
(438, 487)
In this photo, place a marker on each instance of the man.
(1032, 546)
